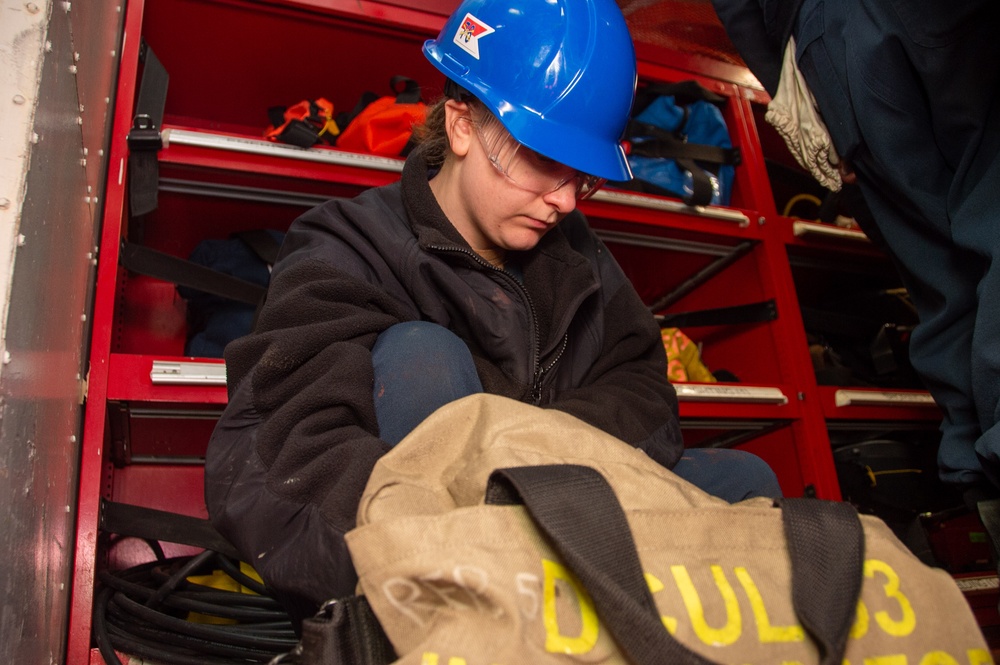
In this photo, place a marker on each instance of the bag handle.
(576, 508)
(827, 547)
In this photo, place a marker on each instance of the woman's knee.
(733, 475)
(415, 341)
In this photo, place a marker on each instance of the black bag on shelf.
(214, 320)
(897, 481)
(862, 339)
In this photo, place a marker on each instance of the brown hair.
(432, 134)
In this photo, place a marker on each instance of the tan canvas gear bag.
(466, 565)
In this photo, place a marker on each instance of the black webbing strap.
(664, 145)
(344, 632)
(702, 276)
(129, 520)
(262, 243)
(827, 547)
(576, 509)
(757, 312)
(661, 144)
(144, 140)
(152, 263)
(409, 93)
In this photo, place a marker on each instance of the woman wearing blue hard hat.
(474, 273)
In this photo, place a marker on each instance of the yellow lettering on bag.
(656, 585)
(907, 621)
(979, 657)
(860, 627)
(555, 641)
(765, 631)
(895, 659)
(731, 631)
(938, 658)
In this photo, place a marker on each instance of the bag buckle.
(144, 135)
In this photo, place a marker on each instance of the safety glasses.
(524, 167)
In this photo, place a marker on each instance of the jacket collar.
(558, 277)
(427, 220)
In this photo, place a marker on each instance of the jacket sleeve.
(626, 392)
(747, 27)
(619, 376)
(289, 459)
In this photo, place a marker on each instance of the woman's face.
(500, 196)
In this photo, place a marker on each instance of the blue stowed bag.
(216, 318)
(679, 145)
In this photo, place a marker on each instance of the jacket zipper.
(538, 372)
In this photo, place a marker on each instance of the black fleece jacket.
(291, 455)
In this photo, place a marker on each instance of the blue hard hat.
(559, 74)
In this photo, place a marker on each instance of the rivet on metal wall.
(48, 47)
(76, 56)
(4, 203)
(6, 357)
(34, 137)
(19, 99)
(67, 6)
(83, 317)
(20, 240)
(72, 69)
(31, 7)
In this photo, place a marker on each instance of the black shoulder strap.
(262, 243)
(141, 522)
(152, 263)
(827, 548)
(409, 93)
(144, 139)
(663, 144)
(578, 511)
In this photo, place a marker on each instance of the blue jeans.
(422, 366)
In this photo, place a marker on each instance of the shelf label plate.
(882, 398)
(800, 229)
(187, 373)
(687, 392)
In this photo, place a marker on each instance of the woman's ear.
(458, 124)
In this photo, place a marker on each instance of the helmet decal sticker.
(470, 31)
